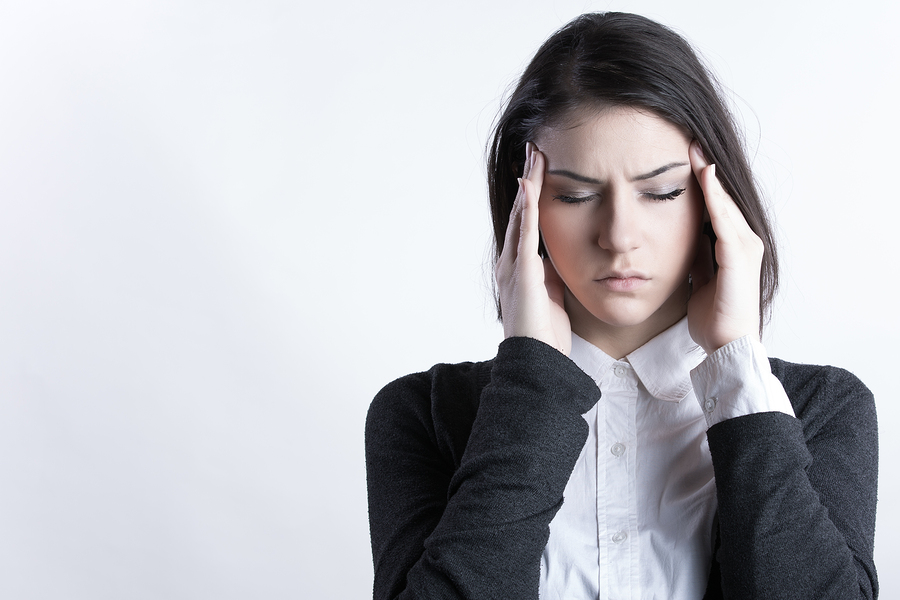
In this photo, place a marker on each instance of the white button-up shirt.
(638, 511)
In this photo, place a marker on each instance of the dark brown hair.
(621, 59)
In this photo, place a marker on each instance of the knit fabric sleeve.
(797, 496)
(456, 516)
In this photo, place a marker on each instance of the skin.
(618, 264)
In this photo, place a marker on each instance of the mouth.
(622, 282)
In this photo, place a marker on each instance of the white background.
(225, 225)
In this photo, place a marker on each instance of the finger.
(529, 149)
(536, 168)
(529, 232)
(530, 226)
(510, 241)
(517, 240)
(516, 213)
(726, 217)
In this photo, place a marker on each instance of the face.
(620, 216)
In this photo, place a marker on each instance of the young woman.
(631, 439)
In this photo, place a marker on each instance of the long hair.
(621, 59)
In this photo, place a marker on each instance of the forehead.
(612, 139)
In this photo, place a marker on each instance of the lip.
(622, 282)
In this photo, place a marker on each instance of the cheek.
(675, 229)
(560, 229)
(552, 224)
(688, 223)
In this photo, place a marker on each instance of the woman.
(631, 438)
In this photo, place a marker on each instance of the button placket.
(615, 518)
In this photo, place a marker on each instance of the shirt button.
(619, 537)
(619, 370)
(618, 449)
(710, 404)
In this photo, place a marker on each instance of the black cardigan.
(467, 465)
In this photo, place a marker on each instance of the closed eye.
(574, 199)
(663, 197)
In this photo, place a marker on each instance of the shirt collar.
(663, 364)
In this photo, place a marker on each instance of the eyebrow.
(644, 176)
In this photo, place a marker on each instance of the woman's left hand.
(724, 305)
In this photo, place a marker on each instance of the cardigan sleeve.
(797, 496)
(475, 529)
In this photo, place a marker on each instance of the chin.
(621, 314)
(626, 313)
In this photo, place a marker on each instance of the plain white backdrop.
(225, 225)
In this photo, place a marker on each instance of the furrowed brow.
(659, 171)
(644, 176)
(574, 176)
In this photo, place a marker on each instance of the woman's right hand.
(531, 291)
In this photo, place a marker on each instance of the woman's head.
(601, 61)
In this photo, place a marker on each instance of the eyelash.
(655, 197)
(663, 197)
(574, 199)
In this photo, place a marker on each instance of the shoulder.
(822, 395)
(434, 407)
(460, 382)
(437, 408)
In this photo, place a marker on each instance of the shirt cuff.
(736, 380)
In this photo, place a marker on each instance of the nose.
(618, 223)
